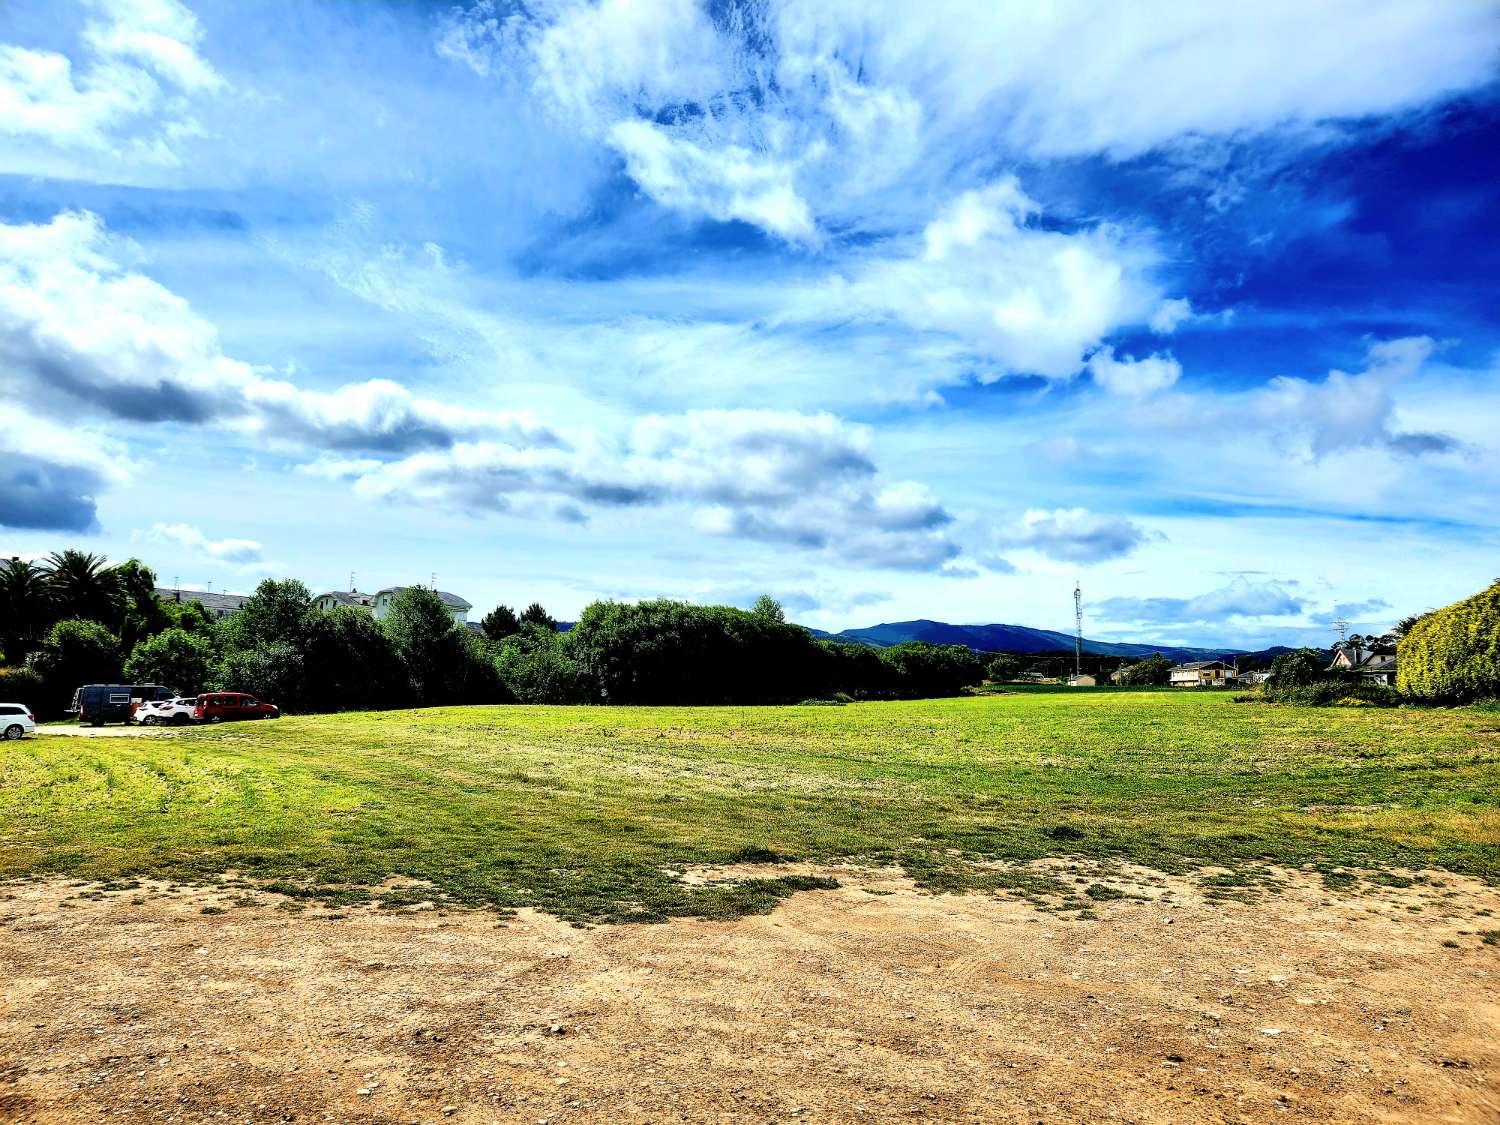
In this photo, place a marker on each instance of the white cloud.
(1351, 411)
(86, 334)
(1131, 376)
(130, 97)
(833, 103)
(233, 552)
(1169, 314)
(1030, 300)
(779, 477)
(1075, 535)
(1240, 599)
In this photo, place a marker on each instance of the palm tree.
(25, 608)
(85, 585)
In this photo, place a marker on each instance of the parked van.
(97, 704)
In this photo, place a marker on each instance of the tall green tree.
(768, 608)
(535, 614)
(444, 661)
(500, 622)
(25, 609)
(85, 586)
(277, 613)
(350, 664)
(181, 660)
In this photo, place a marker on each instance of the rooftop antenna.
(1078, 630)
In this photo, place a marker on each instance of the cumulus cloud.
(1131, 376)
(1240, 599)
(86, 333)
(235, 552)
(130, 96)
(795, 117)
(805, 481)
(1352, 411)
(1076, 535)
(1029, 299)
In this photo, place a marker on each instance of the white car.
(16, 720)
(164, 712)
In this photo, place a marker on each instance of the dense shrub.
(350, 664)
(273, 672)
(1155, 669)
(1298, 668)
(666, 651)
(177, 658)
(73, 653)
(1453, 654)
(444, 662)
(925, 670)
(1332, 690)
(535, 666)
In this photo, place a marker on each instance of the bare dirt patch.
(872, 1002)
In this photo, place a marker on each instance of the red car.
(224, 706)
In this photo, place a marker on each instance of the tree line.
(73, 619)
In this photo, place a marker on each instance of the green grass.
(585, 812)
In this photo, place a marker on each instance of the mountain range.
(1012, 638)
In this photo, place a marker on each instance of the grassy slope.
(578, 810)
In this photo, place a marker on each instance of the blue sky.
(889, 310)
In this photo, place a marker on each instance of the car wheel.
(180, 720)
(14, 731)
(96, 722)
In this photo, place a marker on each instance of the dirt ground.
(872, 1002)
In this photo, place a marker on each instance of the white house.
(381, 605)
(1084, 680)
(335, 599)
(1202, 673)
(1373, 665)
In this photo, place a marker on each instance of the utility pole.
(1078, 630)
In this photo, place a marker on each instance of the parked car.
(226, 706)
(163, 712)
(97, 704)
(16, 720)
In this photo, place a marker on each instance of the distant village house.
(1202, 673)
(1373, 665)
(379, 603)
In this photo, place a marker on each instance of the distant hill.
(1011, 638)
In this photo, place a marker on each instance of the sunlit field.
(592, 813)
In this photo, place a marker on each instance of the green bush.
(74, 653)
(1453, 654)
(1331, 691)
(174, 657)
(535, 667)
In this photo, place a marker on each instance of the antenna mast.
(1342, 625)
(1078, 630)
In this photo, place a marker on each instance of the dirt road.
(868, 1003)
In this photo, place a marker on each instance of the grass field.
(588, 812)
